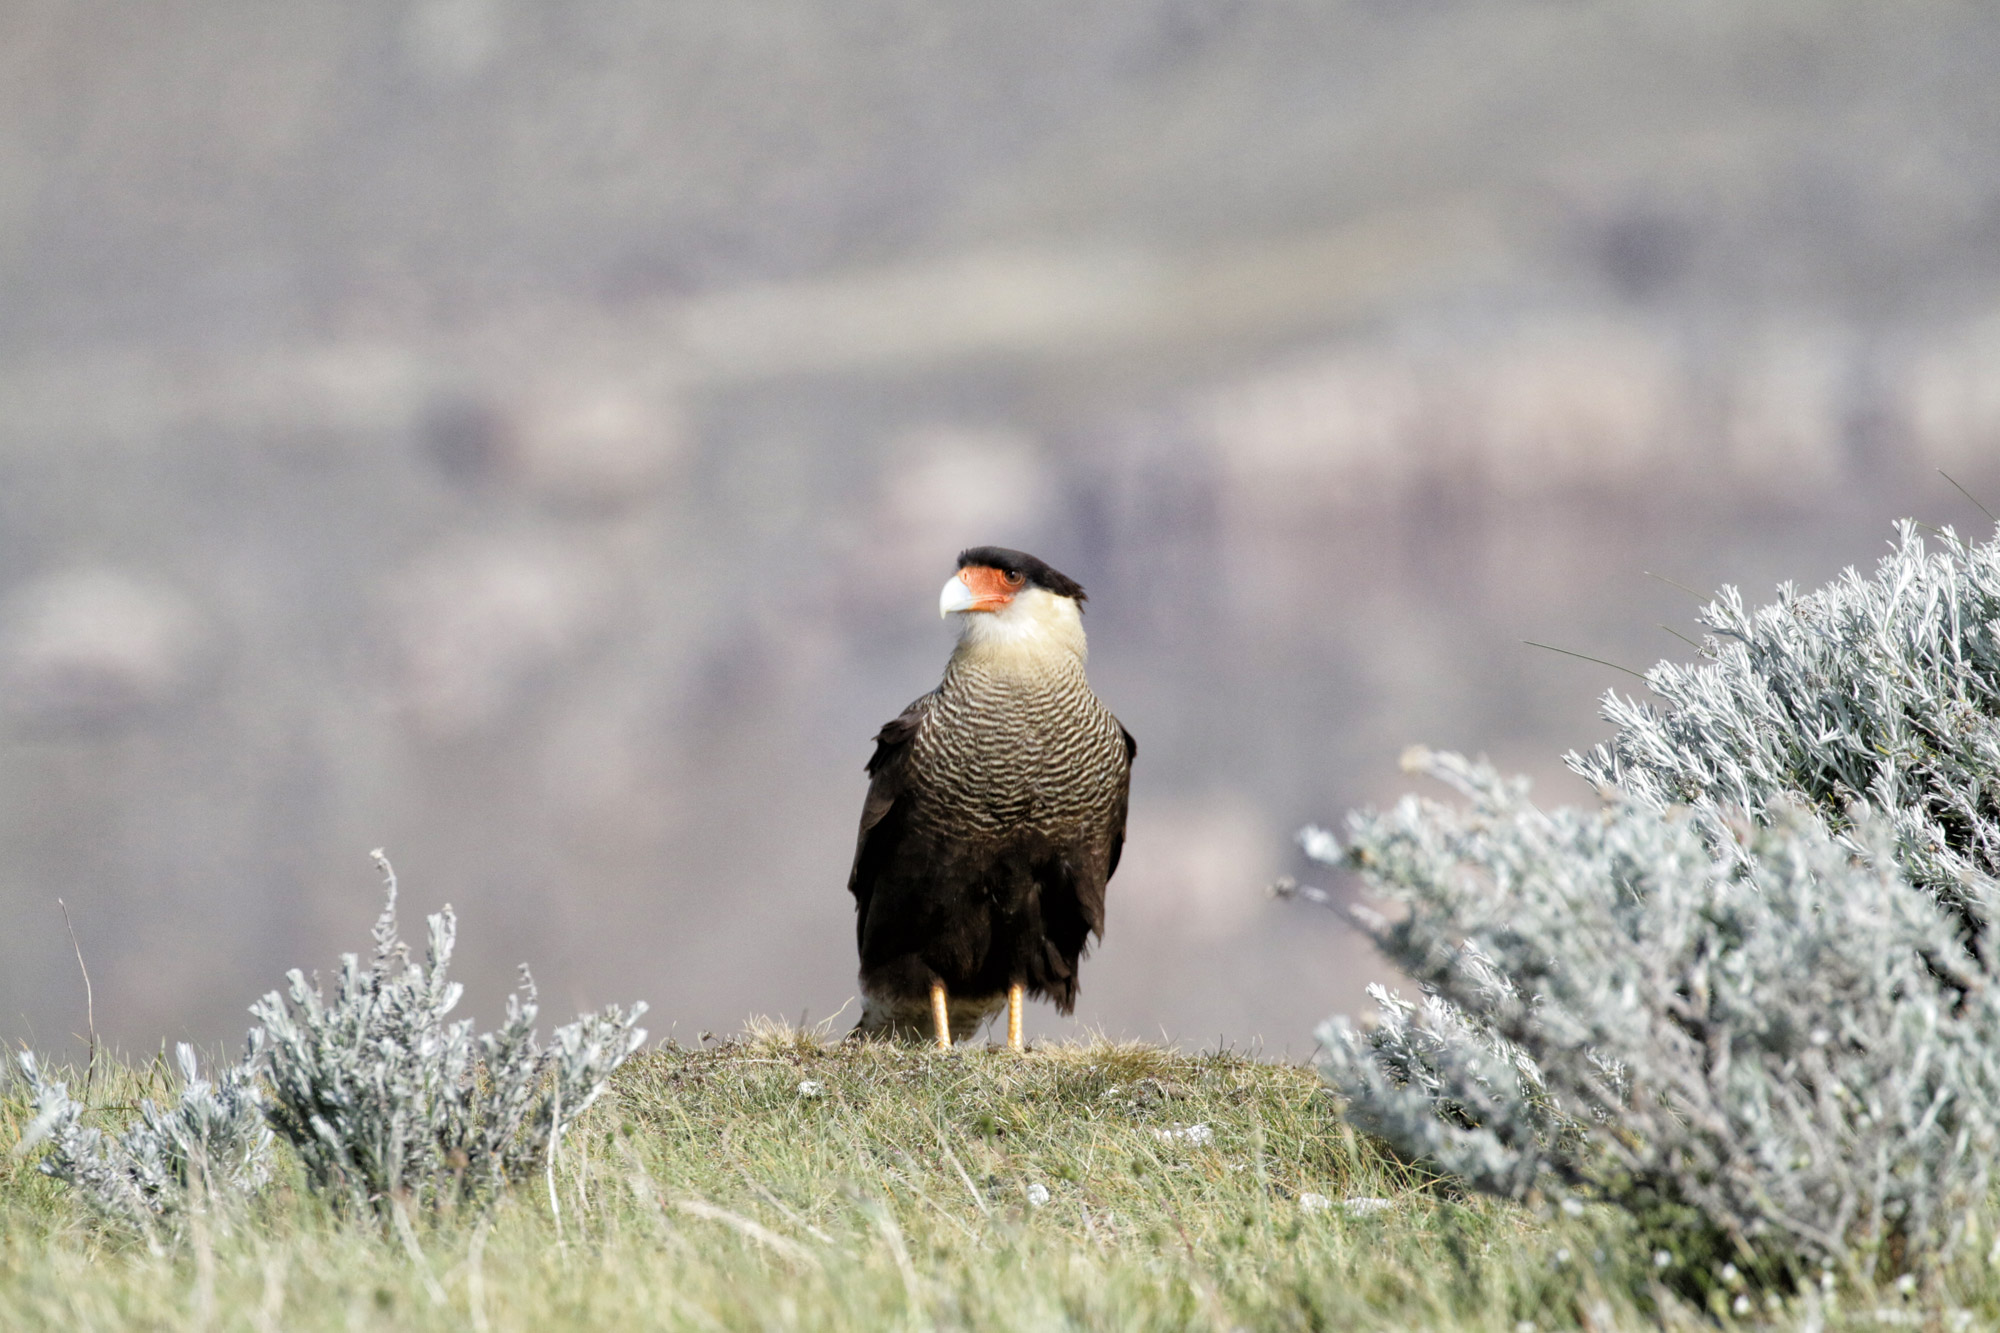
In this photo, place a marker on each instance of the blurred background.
(530, 438)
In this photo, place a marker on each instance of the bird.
(995, 815)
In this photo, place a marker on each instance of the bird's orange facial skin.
(991, 588)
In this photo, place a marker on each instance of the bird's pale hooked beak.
(975, 588)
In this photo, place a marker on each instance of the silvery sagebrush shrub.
(385, 1100)
(1878, 693)
(209, 1150)
(1750, 998)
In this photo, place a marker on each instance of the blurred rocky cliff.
(531, 437)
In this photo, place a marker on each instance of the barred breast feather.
(995, 816)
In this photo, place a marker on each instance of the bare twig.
(1288, 888)
(549, 1162)
(89, 1002)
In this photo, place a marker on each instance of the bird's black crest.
(1038, 572)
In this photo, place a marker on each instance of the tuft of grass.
(780, 1181)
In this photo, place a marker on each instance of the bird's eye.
(1015, 578)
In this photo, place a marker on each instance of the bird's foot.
(940, 1016)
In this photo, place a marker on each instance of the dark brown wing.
(882, 812)
(1076, 879)
(1118, 818)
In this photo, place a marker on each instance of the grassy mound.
(778, 1181)
(781, 1182)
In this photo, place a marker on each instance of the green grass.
(708, 1192)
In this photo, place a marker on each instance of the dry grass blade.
(1584, 657)
(89, 1001)
(752, 1230)
(1968, 495)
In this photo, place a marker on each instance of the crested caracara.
(995, 815)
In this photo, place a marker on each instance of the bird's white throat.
(1035, 625)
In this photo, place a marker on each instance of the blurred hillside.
(530, 438)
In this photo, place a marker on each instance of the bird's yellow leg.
(1015, 995)
(940, 1016)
